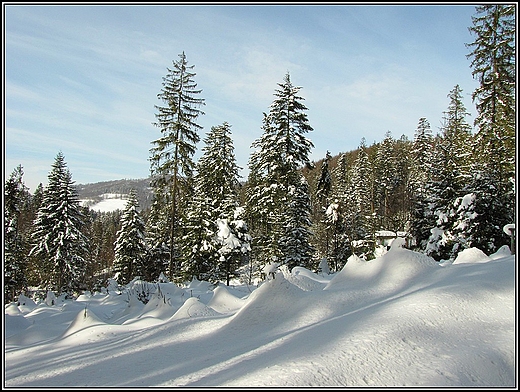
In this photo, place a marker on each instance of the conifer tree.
(493, 62)
(341, 214)
(360, 225)
(198, 243)
(15, 257)
(59, 243)
(281, 151)
(323, 191)
(215, 200)
(295, 246)
(172, 155)
(385, 181)
(452, 165)
(422, 218)
(130, 245)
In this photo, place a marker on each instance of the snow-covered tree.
(450, 177)
(422, 218)
(322, 193)
(295, 246)
(130, 245)
(281, 151)
(215, 199)
(60, 245)
(171, 158)
(233, 246)
(493, 183)
(493, 62)
(198, 243)
(15, 257)
(359, 223)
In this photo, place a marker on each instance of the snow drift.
(398, 320)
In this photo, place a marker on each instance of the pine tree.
(452, 165)
(360, 225)
(216, 200)
(59, 243)
(281, 151)
(15, 259)
(295, 246)
(323, 190)
(493, 63)
(341, 214)
(130, 245)
(172, 157)
(198, 243)
(385, 182)
(422, 218)
(234, 246)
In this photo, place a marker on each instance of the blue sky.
(84, 79)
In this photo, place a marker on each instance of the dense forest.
(444, 191)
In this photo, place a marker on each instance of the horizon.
(84, 79)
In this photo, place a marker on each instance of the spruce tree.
(360, 225)
(323, 191)
(493, 62)
(282, 151)
(130, 245)
(451, 177)
(422, 218)
(60, 245)
(15, 257)
(171, 158)
(215, 200)
(341, 214)
(295, 246)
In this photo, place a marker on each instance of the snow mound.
(503, 251)
(304, 279)
(156, 311)
(84, 319)
(12, 309)
(471, 255)
(225, 302)
(14, 323)
(267, 305)
(194, 308)
(395, 268)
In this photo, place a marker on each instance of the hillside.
(94, 193)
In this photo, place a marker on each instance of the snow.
(110, 202)
(401, 319)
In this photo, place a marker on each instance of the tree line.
(448, 191)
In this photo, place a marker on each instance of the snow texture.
(401, 319)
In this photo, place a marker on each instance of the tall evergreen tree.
(282, 151)
(385, 182)
(452, 165)
(323, 191)
(130, 245)
(172, 155)
(341, 214)
(216, 198)
(59, 243)
(422, 218)
(493, 62)
(15, 257)
(359, 224)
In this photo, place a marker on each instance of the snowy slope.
(399, 320)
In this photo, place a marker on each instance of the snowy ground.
(399, 320)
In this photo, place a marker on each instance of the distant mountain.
(92, 194)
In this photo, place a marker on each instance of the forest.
(444, 192)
